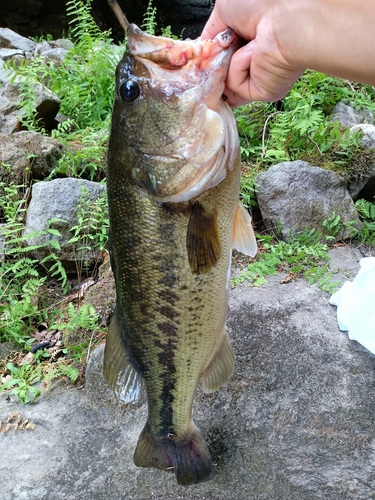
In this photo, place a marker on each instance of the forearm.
(285, 37)
(332, 36)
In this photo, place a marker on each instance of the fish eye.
(129, 91)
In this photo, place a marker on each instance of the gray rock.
(297, 196)
(295, 422)
(57, 54)
(46, 104)
(6, 348)
(11, 40)
(6, 54)
(368, 139)
(42, 47)
(64, 43)
(364, 185)
(4, 73)
(348, 116)
(8, 112)
(344, 262)
(55, 50)
(26, 155)
(58, 199)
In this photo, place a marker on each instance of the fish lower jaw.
(198, 185)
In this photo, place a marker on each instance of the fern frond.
(149, 19)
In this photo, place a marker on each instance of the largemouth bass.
(173, 177)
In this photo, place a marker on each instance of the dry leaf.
(15, 422)
(289, 278)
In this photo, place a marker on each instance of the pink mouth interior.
(175, 54)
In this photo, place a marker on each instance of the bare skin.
(284, 37)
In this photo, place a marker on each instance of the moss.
(352, 164)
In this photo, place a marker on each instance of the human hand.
(259, 70)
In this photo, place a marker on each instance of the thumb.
(238, 81)
(213, 26)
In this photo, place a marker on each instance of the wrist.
(295, 23)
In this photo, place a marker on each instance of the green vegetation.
(23, 378)
(150, 24)
(90, 234)
(34, 292)
(149, 19)
(304, 255)
(300, 128)
(366, 211)
(22, 381)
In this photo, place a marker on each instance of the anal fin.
(243, 233)
(220, 368)
(120, 374)
(203, 240)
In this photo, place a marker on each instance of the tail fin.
(188, 457)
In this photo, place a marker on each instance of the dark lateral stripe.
(168, 376)
(168, 330)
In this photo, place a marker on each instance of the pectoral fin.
(121, 375)
(220, 368)
(243, 233)
(203, 240)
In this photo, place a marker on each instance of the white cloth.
(355, 303)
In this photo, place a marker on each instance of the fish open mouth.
(175, 54)
(198, 62)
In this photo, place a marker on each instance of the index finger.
(213, 26)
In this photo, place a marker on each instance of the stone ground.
(295, 422)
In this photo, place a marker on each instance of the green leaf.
(9, 383)
(13, 369)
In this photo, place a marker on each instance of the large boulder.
(6, 54)
(28, 155)
(294, 196)
(295, 421)
(59, 200)
(348, 116)
(11, 40)
(45, 102)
